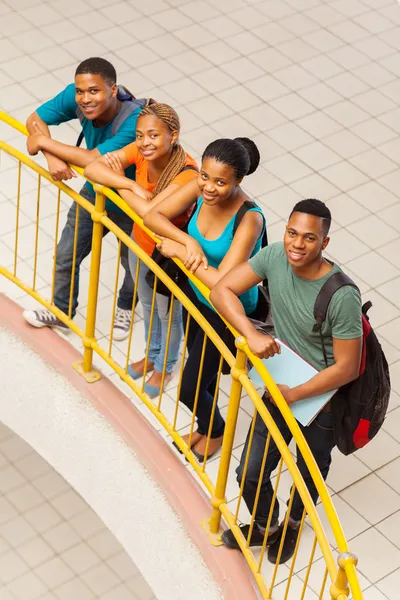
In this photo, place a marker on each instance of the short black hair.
(316, 208)
(98, 66)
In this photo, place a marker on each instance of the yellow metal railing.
(312, 540)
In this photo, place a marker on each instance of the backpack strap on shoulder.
(330, 287)
(246, 206)
(129, 104)
(325, 295)
(189, 168)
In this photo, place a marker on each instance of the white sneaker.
(43, 318)
(122, 323)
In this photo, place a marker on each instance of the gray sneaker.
(44, 318)
(122, 323)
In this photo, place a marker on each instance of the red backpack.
(359, 407)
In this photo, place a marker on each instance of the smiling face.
(154, 139)
(94, 95)
(217, 181)
(305, 238)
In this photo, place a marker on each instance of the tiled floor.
(52, 545)
(316, 83)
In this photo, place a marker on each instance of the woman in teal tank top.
(210, 249)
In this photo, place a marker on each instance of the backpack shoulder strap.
(325, 295)
(128, 106)
(80, 116)
(189, 168)
(246, 206)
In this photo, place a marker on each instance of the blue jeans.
(65, 250)
(158, 337)
(320, 438)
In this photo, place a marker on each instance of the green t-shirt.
(292, 305)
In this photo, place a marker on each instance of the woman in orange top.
(162, 167)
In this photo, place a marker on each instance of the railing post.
(340, 589)
(230, 429)
(85, 367)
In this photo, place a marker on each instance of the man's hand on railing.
(262, 345)
(59, 169)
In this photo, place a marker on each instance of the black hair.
(241, 154)
(98, 66)
(316, 208)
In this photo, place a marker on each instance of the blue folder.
(288, 368)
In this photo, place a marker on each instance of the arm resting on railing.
(347, 352)
(241, 249)
(159, 220)
(109, 170)
(39, 139)
(58, 168)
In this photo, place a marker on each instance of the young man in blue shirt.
(296, 271)
(97, 101)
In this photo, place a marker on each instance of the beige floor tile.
(61, 537)
(345, 247)
(345, 470)
(390, 474)
(360, 495)
(390, 585)
(384, 559)
(27, 587)
(381, 450)
(80, 558)
(391, 291)
(11, 567)
(372, 593)
(390, 528)
(100, 579)
(375, 270)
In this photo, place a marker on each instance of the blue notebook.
(288, 368)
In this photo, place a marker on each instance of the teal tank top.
(215, 250)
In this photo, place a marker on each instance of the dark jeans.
(65, 250)
(210, 369)
(319, 436)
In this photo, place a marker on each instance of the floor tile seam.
(373, 587)
(383, 579)
(363, 241)
(393, 438)
(370, 524)
(376, 472)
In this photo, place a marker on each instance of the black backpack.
(129, 105)
(359, 407)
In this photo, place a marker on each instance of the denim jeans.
(210, 369)
(84, 245)
(319, 436)
(159, 331)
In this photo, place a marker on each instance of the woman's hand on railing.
(171, 249)
(140, 191)
(194, 256)
(113, 161)
(262, 345)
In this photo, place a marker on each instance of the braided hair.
(169, 116)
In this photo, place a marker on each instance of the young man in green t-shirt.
(296, 270)
(96, 100)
